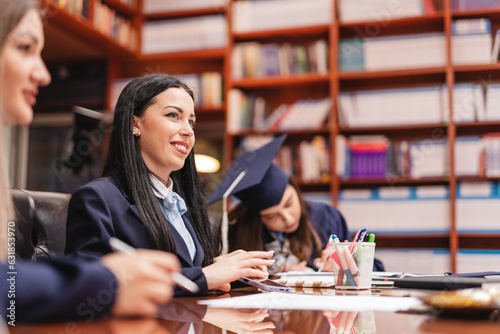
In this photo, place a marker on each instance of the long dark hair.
(125, 162)
(247, 230)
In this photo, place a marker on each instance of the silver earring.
(137, 133)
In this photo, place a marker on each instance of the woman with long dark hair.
(150, 195)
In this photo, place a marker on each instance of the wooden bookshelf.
(83, 28)
(337, 81)
(126, 63)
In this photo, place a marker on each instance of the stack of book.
(185, 34)
(250, 111)
(471, 41)
(382, 10)
(492, 103)
(308, 161)
(424, 105)
(253, 59)
(478, 207)
(463, 5)
(159, 6)
(111, 24)
(366, 157)
(425, 209)
(393, 52)
(75, 7)
(207, 88)
(251, 16)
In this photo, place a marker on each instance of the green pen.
(371, 237)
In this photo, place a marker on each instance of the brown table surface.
(178, 316)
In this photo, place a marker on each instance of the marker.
(345, 267)
(371, 237)
(330, 240)
(179, 279)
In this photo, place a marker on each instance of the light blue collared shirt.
(173, 214)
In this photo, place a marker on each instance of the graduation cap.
(262, 184)
(253, 179)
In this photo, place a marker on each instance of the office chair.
(40, 223)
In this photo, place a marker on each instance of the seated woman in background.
(273, 215)
(151, 196)
(59, 289)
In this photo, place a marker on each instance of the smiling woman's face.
(166, 131)
(23, 69)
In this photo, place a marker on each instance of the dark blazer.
(327, 220)
(100, 210)
(56, 290)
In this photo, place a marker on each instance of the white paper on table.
(291, 301)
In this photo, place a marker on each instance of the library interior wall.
(90, 48)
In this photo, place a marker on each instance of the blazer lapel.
(200, 255)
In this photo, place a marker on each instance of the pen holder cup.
(352, 322)
(356, 264)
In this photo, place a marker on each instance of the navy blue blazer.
(100, 210)
(56, 290)
(327, 220)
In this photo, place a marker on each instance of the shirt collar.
(159, 188)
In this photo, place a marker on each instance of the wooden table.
(178, 316)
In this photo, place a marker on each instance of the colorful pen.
(371, 237)
(343, 262)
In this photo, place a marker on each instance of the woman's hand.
(302, 266)
(239, 321)
(325, 262)
(144, 281)
(230, 267)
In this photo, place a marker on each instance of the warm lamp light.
(206, 164)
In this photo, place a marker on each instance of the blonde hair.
(12, 12)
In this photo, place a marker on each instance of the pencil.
(178, 278)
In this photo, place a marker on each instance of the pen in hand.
(179, 279)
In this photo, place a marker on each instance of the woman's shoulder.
(107, 185)
(319, 211)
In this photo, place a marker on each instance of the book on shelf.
(491, 144)
(367, 158)
(314, 160)
(468, 103)
(351, 54)
(428, 261)
(75, 7)
(253, 59)
(405, 51)
(476, 260)
(382, 107)
(162, 6)
(378, 10)
(249, 16)
(112, 24)
(184, 34)
(249, 111)
(496, 48)
(468, 153)
(428, 158)
(492, 103)
(424, 208)
(317, 112)
(478, 207)
(429, 7)
(471, 41)
(462, 5)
